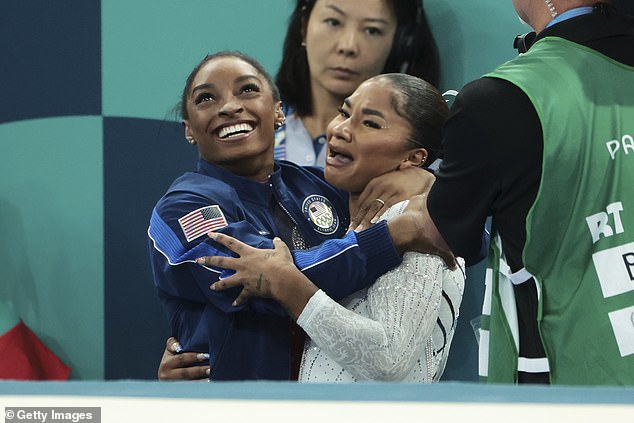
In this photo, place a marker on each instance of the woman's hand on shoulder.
(385, 190)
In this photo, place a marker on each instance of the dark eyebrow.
(372, 112)
(247, 77)
(341, 12)
(365, 110)
(208, 85)
(336, 9)
(204, 86)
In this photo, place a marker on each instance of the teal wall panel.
(51, 222)
(473, 36)
(149, 48)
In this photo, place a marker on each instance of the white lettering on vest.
(627, 142)
(598, 223)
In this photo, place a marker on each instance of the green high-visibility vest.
(580, 230)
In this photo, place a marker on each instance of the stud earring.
(191, 141)
(304, 43)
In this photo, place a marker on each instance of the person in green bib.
(544, 145)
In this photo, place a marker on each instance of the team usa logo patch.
(201, 221)
(321, 214)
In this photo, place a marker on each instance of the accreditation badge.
(321, 214)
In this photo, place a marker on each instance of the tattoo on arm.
(259, 283)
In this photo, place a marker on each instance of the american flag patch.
(201, 221)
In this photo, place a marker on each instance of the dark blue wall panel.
(50, 58)
(141, 159)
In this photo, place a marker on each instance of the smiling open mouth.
(234, 130)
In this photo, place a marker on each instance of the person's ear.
(189, 134)
(280, 118)
(415, 158)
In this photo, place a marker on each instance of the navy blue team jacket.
(252, 341)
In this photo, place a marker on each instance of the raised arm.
(386, 340)
(385, 190)
(403, 308)
(385, 344)
(272, 274)
(357, 258)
